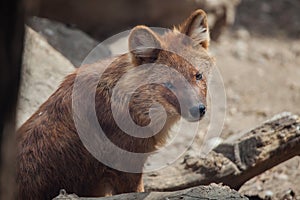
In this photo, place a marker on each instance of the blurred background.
(256, 45)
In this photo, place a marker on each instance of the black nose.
(198, 111)
(202, 109)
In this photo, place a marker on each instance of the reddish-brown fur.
(51, 155)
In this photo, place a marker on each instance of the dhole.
(51, 155)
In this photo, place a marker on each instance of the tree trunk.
(11, 47)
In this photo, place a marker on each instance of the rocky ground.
(259, 62)
(261, 77)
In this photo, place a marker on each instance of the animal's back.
(50, 154)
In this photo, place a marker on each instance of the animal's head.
(176, 64)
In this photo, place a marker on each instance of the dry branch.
(236, 160)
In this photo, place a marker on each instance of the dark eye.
(168, 85)
(199, 76)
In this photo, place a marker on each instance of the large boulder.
(74, 44)
(102, 19)
(43, 70)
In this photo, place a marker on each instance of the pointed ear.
(144, 45)
(196, 27)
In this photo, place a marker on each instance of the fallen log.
(212, 191)
(236, 160)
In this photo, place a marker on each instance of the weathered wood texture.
(212, 191)
(236, 160)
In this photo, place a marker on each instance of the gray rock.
(43, 70)
(72, 43)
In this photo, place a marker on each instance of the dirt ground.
(261, 77)
(260, 63)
